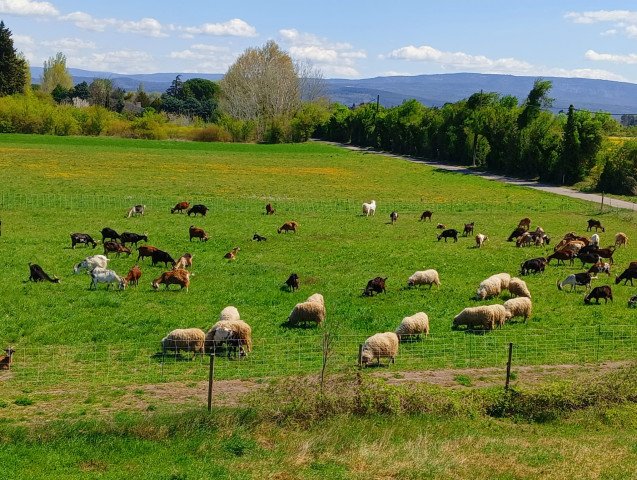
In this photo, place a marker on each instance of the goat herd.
(570, 248)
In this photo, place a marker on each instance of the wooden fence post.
(506, 385)
(211, 379)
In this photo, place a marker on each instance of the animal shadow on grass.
(289, 326)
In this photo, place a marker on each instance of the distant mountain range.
(431, 90)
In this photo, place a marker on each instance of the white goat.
(369, 208)
(89, 263)
(595, 240)
(102, 275)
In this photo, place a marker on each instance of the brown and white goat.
(232, 254)
(621, 239)
(7, 359)
(184, 261)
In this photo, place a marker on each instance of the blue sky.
(344, 38)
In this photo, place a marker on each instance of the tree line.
(266, 96)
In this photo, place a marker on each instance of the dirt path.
(565, 191)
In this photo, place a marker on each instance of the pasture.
(55, 186)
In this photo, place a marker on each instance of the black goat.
(293, 282)
(449, 233)
(375, 285)
(85, 238)
(599, 292)
(39, 275)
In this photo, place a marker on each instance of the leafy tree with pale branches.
(13, 66)
(55, 74)
(261, 85)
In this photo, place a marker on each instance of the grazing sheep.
(424, 277)
(89, 263)
(468, 229)
(288, 227)
(369, 208)
(484, 316)
(518, 307)
(393, 216)
(292, 282)
(37, 274)
(308, 312)
(187, 339)
(375, 285)
(229, 313)
(232, 334)
(490, 287)
(426, 215)
(505, 278)
(517, 288)
(181, 206)
(380, 345)
(480, 239)
(621, 239)
(413, 326)
(596, 293)
(316, 297)
(576, 279)
(7, 359)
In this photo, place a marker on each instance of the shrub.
(211, 133)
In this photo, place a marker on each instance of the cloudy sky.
(344, 38)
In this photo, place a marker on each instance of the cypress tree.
(12, 67)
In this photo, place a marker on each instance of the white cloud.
(232, 28)
(28, 8)
(199, 51)
(609, 57)
(87, 22)
(69, 44)
(332, 58)
(119, 61)
(624, 21)
(23, 41)
(146, 26)
(460, 61)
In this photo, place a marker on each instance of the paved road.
(590, 197)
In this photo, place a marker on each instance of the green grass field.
(95, 346)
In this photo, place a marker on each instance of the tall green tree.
(13, 66)
(537, 100)
(56, 74)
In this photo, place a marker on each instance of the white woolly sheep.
(518, 288)
(233, 334)
(307, 313)
(380, 345)
(413, 326)
(505, 278)
(424, 277)
(317, 297)
(480, 239)
(187, 339)
(369, 208)
(485, 316)
(518, 307)
(491, 287)
(229, 313)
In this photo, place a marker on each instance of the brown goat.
(179, 277)
(6, 360)
(525, 223)
(115, 247)
(288, 227)
(181, 206)
(269, 210)
(468, 229)
(145, 251)
(132, 277)
(199, 233)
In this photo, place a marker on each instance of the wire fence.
(125, 364)
(82, 202)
